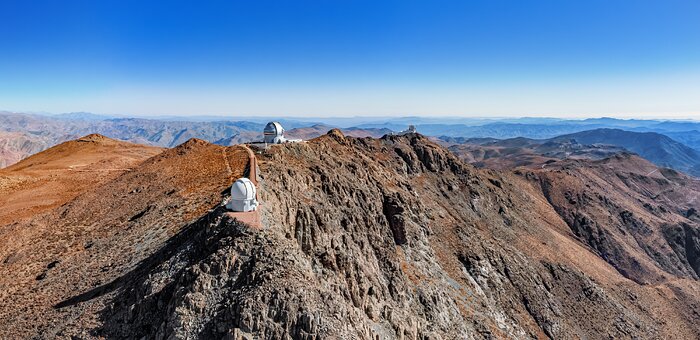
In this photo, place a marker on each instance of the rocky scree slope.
(389, 238)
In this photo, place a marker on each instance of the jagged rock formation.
(373, 238)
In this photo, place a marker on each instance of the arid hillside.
(363, 238)
(107, 206)
(55, 176)
(523, 152)
(657, 148)
(640, 218)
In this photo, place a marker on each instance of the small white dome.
(243, 189)
(242, 196)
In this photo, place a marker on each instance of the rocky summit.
(362, 238)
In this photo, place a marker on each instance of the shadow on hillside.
(140, 304)
(189, 237)
(186, 235)
(147, 265)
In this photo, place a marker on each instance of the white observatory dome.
(242, 196)
(274, 133)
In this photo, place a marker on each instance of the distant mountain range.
(592, 144)
(145, 131)
(39, 132)
(24, 134)
(15, 146)
(543, 131)
(655, 147)
(674, 144)
(689, 138)
(510, 153)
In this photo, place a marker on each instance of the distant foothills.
(512, 141)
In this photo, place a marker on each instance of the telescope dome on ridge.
(243, 196)
(274, 133)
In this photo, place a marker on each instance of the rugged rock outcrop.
(381, 238)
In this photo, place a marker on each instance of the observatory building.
(274, 133)
(243, 196)
(411, 129)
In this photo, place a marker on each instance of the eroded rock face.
(630, 213)
(393, 211)
(217, 278)
(685, 242)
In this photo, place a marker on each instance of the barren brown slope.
(523, 152)
(54, 176)
(640, 218)
(95, 237)
(388, 238)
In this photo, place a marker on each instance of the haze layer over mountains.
(673, 144)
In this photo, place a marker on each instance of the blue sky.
(345, 58)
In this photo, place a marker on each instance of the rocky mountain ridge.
(372, 238)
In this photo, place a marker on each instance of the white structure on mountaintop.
(411, 129)
(243, 196)
(274, 134)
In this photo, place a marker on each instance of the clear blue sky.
(340, 58)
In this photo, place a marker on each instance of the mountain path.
(228, 165)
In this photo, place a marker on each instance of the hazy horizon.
(205, 117)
